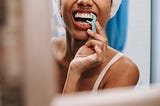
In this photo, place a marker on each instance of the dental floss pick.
(93, 22)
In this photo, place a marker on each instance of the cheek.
(64, 14)
(107, 9)
(107, 15)
(104, 18)
(104, 8)
(66, 10)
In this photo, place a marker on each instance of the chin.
(81, 38)
(81, 35)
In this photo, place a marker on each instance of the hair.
(111, 3)
(60, 3)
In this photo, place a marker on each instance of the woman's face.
(76, 12)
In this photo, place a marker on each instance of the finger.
(99, 54)
(90, 38)
(100, 29)
(95, 35)
(100, 41)
(92, 58)
(93, 42)
(96, 57)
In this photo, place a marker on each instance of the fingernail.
(96, 46)
(97, 22)
(89, 30)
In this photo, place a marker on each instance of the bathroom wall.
(139, 37)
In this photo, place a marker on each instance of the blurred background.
(26, 27)
(11, 52)
(25, 53)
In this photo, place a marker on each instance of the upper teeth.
(83, 15)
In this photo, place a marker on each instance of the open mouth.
(80, 19)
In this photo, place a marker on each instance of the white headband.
(114, 8)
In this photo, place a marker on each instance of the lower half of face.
(76, 18)
(76, 28)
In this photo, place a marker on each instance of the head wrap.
(115, 7)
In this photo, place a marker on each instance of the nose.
(85, 3)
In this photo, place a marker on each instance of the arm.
(72, 81)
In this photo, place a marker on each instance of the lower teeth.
(83, 23)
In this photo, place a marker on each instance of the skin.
(82, 55)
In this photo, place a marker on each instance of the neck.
(72, 46)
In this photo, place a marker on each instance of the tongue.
(83, 23)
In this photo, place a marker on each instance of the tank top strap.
(105, 69)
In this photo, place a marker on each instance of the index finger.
(99, 29)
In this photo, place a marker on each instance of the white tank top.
(105, 69)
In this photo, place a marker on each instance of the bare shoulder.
(123, 73)
(57, 41)
(58, 46)
(126, 65)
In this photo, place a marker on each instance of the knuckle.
(92, 41)
(104, 40)
(100, 60)
(93, 33)
(97, 36)
(101, 43)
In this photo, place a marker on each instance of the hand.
(93, 53)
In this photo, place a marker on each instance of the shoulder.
(57, 41)
(123, 72)
(57, 46)
(125, 64)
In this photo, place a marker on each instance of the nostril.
(85, 3)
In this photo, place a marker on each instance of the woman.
(84, 61)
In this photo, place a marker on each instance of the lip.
(77, 24)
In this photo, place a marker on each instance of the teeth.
(83, 15)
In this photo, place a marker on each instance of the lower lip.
(80, 26)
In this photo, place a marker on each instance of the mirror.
(137, 47)
(137, 42)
